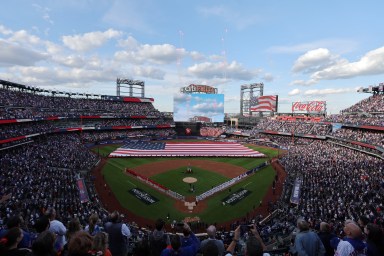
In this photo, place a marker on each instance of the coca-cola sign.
(309, 106)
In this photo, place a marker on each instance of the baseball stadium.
(86, 154)
(191, 128)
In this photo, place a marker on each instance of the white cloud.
(71, 61)
(4, 30)
(325, 66)
(372, 63)
(294, 92)
(129, 44)
(329, 91)
(149, 72)
(313, 60)
(337, 45)
(89, 41)
(303, 82)
(268, 77)
(14, 54)
(234, 70)
(161, 54)
(196, 56)
(24, 37)
(157, 54)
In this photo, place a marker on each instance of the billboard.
(197, 107)
(309, 107)
(263, 104)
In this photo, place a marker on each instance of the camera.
(245, 229)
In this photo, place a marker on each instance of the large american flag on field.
(194, 149)
(263, 104)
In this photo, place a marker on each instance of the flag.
(263, 104)
(167, 149)
(82, 191)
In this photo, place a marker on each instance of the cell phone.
(245, 229)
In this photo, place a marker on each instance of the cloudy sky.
(300, 50)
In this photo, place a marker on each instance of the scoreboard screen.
(197, 107)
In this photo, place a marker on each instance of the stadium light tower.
(372, 89)
(132, 85)
(246, 93)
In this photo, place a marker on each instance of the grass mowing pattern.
(120, 183)
(258, 184)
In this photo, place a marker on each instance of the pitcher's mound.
(189, 180)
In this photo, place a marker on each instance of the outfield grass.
(121, 183)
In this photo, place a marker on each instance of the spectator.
(307, 242)
(80, 244)
(254, 245)
(352, 243)
(58, 228)
(100, 245)
(158, 240)
(8, 244)
(187, 238)
(118, 234)
(42, 224)
(375, 240)
(142, 248)
(93, 228)
(177, 248)
(362, 222)
(326, 236)
(73, 227)
(44, 244)
(17, 221)
(211, 232)
(210, 248)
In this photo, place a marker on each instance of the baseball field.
(121, 190)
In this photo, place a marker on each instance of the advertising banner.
(143, 196)
(236, 197)
(295, 195)
(309, 107)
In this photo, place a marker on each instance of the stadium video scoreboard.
(198, 104)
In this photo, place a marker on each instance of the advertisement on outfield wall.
(309, 107)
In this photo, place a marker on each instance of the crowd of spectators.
(295, 127)
(374, 103)
(96, 136)
(18, 104)
(43, 174)
(369, 111)
(362, 135)
(357, 119)
(211, 131)
(27, 128)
